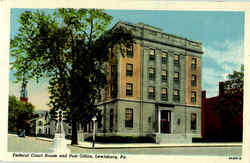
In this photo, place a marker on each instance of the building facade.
(222, 125)
(155, 89)
(44, 125)
(39, 125)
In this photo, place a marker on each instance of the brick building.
(155, 89)
(221, 125)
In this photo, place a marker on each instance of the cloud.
(219, 60)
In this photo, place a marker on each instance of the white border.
(115, 4)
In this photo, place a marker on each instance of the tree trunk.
(74, 132)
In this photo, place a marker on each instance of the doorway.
(165, 121)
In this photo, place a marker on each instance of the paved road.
(31, 144)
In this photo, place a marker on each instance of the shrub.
(122, 139)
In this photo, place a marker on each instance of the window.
(151, 93)
(193, 81)
(40, 123)
(193, 121)
(176, 95)
(152, 54)
(129, 89)
(111, 117)
(129, 69)
(193, 97)
(194, 63)
(113, 90)
(176, 76)
(151, 73)
(164, 76)
(129, 117)
(164, 96)
(69, 130)
(164, 58)
(130, 51)
(176, 59)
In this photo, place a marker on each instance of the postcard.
(125, 82)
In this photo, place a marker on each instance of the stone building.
(44, 125)
(155, 89)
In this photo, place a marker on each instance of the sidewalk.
(88, 145)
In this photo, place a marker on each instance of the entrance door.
(165, 121)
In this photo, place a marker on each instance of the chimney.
(221, 88)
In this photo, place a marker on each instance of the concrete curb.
(116, 146)
(161, 146)
(174, 146)
(49, 140)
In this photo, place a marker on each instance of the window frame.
(164, 97)
(151, 95)
(164, 60)
(129, 92)
(178, 78)
(129, 117)
(193, 64)
(151, 76)
(194, 82)
(176, 97)
(152, 54)
(129, 72)
(164, 78)
(193, 122)
(193, 98)
(130, 51)
(176, 61)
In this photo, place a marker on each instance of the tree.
(230, 105)
(69, 47)
(235, 83)
(19, 114)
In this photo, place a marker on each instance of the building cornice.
(169, 43)
(150, 102)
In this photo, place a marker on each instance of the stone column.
(159, 121)
(172, 122)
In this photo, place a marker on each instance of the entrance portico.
(165, 121)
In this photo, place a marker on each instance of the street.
(31, 144)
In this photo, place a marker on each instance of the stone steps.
(173, 138)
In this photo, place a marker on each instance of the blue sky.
(221, 34)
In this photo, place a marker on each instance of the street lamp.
(93, 119)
